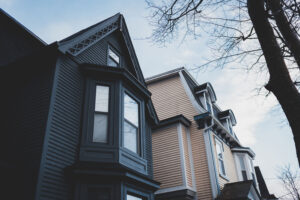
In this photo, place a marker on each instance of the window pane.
(102, 96)
(219, 150)
(221, 166)
(100, 128)
(111, 62)
(244, 174)
(114, 56)
(130, 197)
(130, 137)
(131, 110)
(242, 164)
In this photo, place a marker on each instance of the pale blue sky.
(259, 124)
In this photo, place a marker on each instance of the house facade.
(76, 116)
(196, 153)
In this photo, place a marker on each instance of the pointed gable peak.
(78, 42)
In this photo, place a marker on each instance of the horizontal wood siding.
(166, 157)
(97, 53)
(187, 160)
(63, 132)
(24, 104)
(170, 99)
(231, 173)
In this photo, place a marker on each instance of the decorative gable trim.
(86, 43)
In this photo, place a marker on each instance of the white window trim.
(218, 142)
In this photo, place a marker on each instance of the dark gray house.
(76, 115)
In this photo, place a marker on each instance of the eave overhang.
(227, 114)
(184, 194)
(94, 172)
(173, 120)
(208, 121)
(103, 72)
(206, 87)
(244, 150)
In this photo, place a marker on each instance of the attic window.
(113, 59)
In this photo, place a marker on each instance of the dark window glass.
(98, 194)
(244, 174)
(254, 179)
(131, 124)
(208, 107)
(113, 59)
(101, 114)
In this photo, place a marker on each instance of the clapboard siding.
(166, 157)
(61, 148)
(97, 54)
(24, 111)
(170, 99)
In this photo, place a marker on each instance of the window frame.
(110, 47)
(90, 111)
(140, 132)
(218, 142)
(108, 113)
(136, 192)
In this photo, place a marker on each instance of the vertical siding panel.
(187, 159)
(166, 158)
(170, 99)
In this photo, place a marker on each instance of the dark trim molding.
(118, 72)
(93, 172)
(173, 120)
(184, 194)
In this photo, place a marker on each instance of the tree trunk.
(280, 82)
(285, 28)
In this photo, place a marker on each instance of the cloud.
(6, 3)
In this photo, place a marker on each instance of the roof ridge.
(22, 26)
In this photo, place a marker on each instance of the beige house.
(196, 154)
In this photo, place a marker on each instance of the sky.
(261, 124)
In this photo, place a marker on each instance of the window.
(252, 172)
(130, 197)
(229, 125)
(243, 168)
(208, 106)
(113, 59)
(131, 124)
(220, 155)
(101, 114)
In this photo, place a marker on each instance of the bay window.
(243, 168)
(101, 114)
(131, 124)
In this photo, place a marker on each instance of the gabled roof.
(82, 40)
(13, 20)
